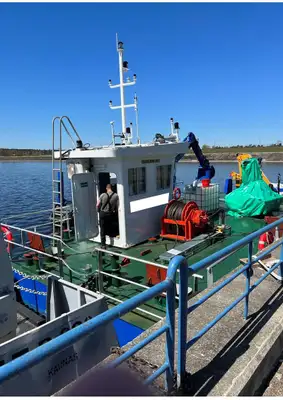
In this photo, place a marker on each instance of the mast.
(120, 50)
(127, 132)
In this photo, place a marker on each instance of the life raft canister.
(7, 235)
(265, 239)
(176, 193)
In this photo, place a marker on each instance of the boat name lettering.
(53, 370)
(84, 184)
(150, 161)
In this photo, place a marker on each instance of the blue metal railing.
(65, 340)
(184, 310)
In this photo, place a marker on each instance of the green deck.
(79, 255)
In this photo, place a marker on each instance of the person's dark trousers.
(103, 222)
(107, 223)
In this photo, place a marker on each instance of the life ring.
(7, 235)
(176, 193)
(265, 239)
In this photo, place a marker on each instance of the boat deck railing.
(168, 327)
(101, 273)
(41, 214)
(59, 260)
(59, 243)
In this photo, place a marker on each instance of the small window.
(163, 176)
(64, 330)
(77, 324)
(137, 181)
(20, 353)
(44, 341)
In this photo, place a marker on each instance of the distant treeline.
(270, 147)
(24, 152)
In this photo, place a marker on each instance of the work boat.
(62, 275)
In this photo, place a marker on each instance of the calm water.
(26, 186)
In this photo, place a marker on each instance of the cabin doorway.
(105, 178)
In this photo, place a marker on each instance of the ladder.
(60, 212)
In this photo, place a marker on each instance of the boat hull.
(30, 296)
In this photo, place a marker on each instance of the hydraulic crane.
(205, 170)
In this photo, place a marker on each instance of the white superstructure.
(143, 175)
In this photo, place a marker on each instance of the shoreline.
(184, 161)
(20, 159)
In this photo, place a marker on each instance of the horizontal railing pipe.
(158, 317)
(26, 214)
(68, 338)
(232, 247)
(32, 249)
(217, 289)
(156, 374)
(265, 275)
(114, 253)
(38, 226)
(215, 320)
(28, 231)
(265, 253)
(138, 346)
(228, 308)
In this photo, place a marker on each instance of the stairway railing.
(60, 216)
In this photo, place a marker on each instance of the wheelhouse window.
(163, 176)
(137, 181)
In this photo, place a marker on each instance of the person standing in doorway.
(107, 206)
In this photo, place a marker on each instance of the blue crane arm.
(193, 144)
(205, 170)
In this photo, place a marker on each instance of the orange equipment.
(183, 221)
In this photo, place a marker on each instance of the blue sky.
(216, 68)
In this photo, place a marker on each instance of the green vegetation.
(274, 148)
(37, 154)
(23, 152)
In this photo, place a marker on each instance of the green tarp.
(254, 197)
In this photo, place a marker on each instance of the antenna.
(126, 134)
(117, 41)
(112, 132)
(175, 129)
(172, 126)
(137, 118)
